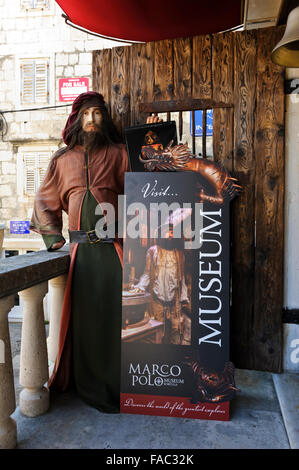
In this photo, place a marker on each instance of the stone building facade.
(37, 49)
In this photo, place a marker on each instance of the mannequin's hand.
(153, 118)
(57, 245)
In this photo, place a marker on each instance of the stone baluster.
(8, 427)
(56, 288)
(34, 398)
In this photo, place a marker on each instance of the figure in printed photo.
(164, 278)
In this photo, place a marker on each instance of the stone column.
(34, 398)
(8, 427)
(57, 288)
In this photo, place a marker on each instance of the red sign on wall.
(70, 88)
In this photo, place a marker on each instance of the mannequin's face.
(91, 119)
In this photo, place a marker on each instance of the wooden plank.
(243, 207)
(142, 82)
(182, 58)
(269, 155)
(202, 67)
(120, 92)
(182, 105)
(222, 73)
(163, 70)
(182, 68)
(202, 73)
(101, 73)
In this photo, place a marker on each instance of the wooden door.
(248, 138)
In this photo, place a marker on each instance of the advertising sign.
(175, 299)
(146, 141)
(175, 328)
(198, 122)
(19, 227)
(70, 88)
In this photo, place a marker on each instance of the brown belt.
(80, 236)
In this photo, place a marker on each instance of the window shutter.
(30, 174)
(26, 4)
(35, 4)
(43, 161)
(35, 166)
(27, 88)
(35, 81)
(41, 81)
(41, 4)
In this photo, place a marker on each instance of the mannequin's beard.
(93, 140)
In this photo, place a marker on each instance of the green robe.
(95, 316)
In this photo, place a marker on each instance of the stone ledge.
(21, 272)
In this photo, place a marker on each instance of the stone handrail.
(28, 275)
(21, 272)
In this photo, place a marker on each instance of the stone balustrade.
(30, 275)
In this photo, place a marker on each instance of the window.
(35, 165)
(35, 4)
(32, 164)
(34, 81)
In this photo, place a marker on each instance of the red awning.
(152, 20)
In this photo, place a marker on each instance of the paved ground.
(264, 415)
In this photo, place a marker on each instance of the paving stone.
(287, 387)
